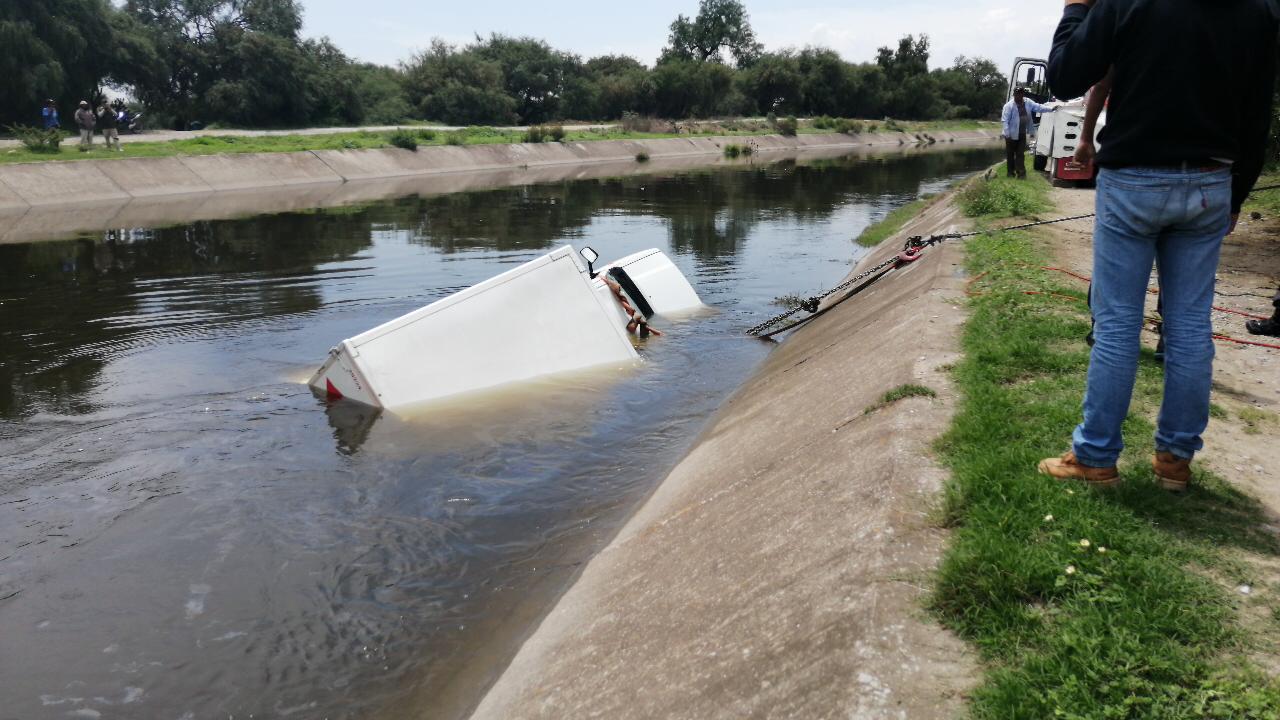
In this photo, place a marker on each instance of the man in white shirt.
(1015, 126)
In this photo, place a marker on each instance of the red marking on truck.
(331, 390)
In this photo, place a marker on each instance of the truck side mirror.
(591, 256)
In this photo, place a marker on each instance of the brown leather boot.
(1068, 467)
(1172, 472)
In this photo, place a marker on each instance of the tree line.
(244, 62)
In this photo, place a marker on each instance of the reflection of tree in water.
(710, 212)
(69, 306)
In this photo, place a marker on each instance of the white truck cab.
(1058, 133)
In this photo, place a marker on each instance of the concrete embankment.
(779, 569)
(54, 199)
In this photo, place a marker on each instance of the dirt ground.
(1242, 446)
(1240, 443)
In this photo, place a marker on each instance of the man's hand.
(1234, 218)
(1084, 153)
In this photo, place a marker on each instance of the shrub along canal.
(187, 532)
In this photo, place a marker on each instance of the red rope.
(1072, 298)
(1157, 292)
(1228, 338)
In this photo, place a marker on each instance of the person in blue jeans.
(1183, 146)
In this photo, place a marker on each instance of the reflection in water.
(184, 528)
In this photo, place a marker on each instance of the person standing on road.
(85, 121)
(49, 115)
(1169, 189)
(109, 123)
(1015, 126)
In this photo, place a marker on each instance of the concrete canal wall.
(780, 569)
(51, 199)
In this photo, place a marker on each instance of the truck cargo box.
(545, 317)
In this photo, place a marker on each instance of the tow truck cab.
(1054, 145)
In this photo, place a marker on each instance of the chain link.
(811, 304)
(916, 242)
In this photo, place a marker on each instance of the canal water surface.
(187, 532)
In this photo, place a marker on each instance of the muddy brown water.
(187, 532)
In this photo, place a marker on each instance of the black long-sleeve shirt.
(1193, 80)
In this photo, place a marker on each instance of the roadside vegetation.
(1127, 603)
(246, 64)
(412, 138)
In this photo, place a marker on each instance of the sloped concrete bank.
(779, 569)
(52, 199)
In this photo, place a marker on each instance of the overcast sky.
(388, 31)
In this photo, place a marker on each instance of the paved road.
(167, 135)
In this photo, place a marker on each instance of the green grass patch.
(899, 393)
(1266, 202)
(1084, 604)
(998, 197)
(1256, 420)
(361, 140)
(892, 223)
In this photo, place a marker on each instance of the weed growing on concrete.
(642, 156)
(788, 126)
(1145, 628)
(899, 393)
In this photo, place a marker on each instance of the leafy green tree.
(910, 91)
(622, 84)
(381, 93)
(461, 88)
(685, 88)
(212, 47)
(720, 25)
(825, 84)
(972, 87)
(533, 73)
(60, 49)
(909, 60)
(772, 83)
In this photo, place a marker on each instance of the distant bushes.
(733, 151)
(38, 140)
(457, 137)
(544, 133)
(404, 140)
(642, 157)
(787, 126)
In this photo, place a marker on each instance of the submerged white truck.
(552, 315)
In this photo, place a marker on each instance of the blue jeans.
(1176, 218)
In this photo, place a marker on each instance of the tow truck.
(1056, 135)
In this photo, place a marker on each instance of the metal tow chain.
(917, 242)
(811, 304)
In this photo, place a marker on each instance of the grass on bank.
(1084, 603)
(885, 227)
(413, 137)
(901, 392)
(1266, 202)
